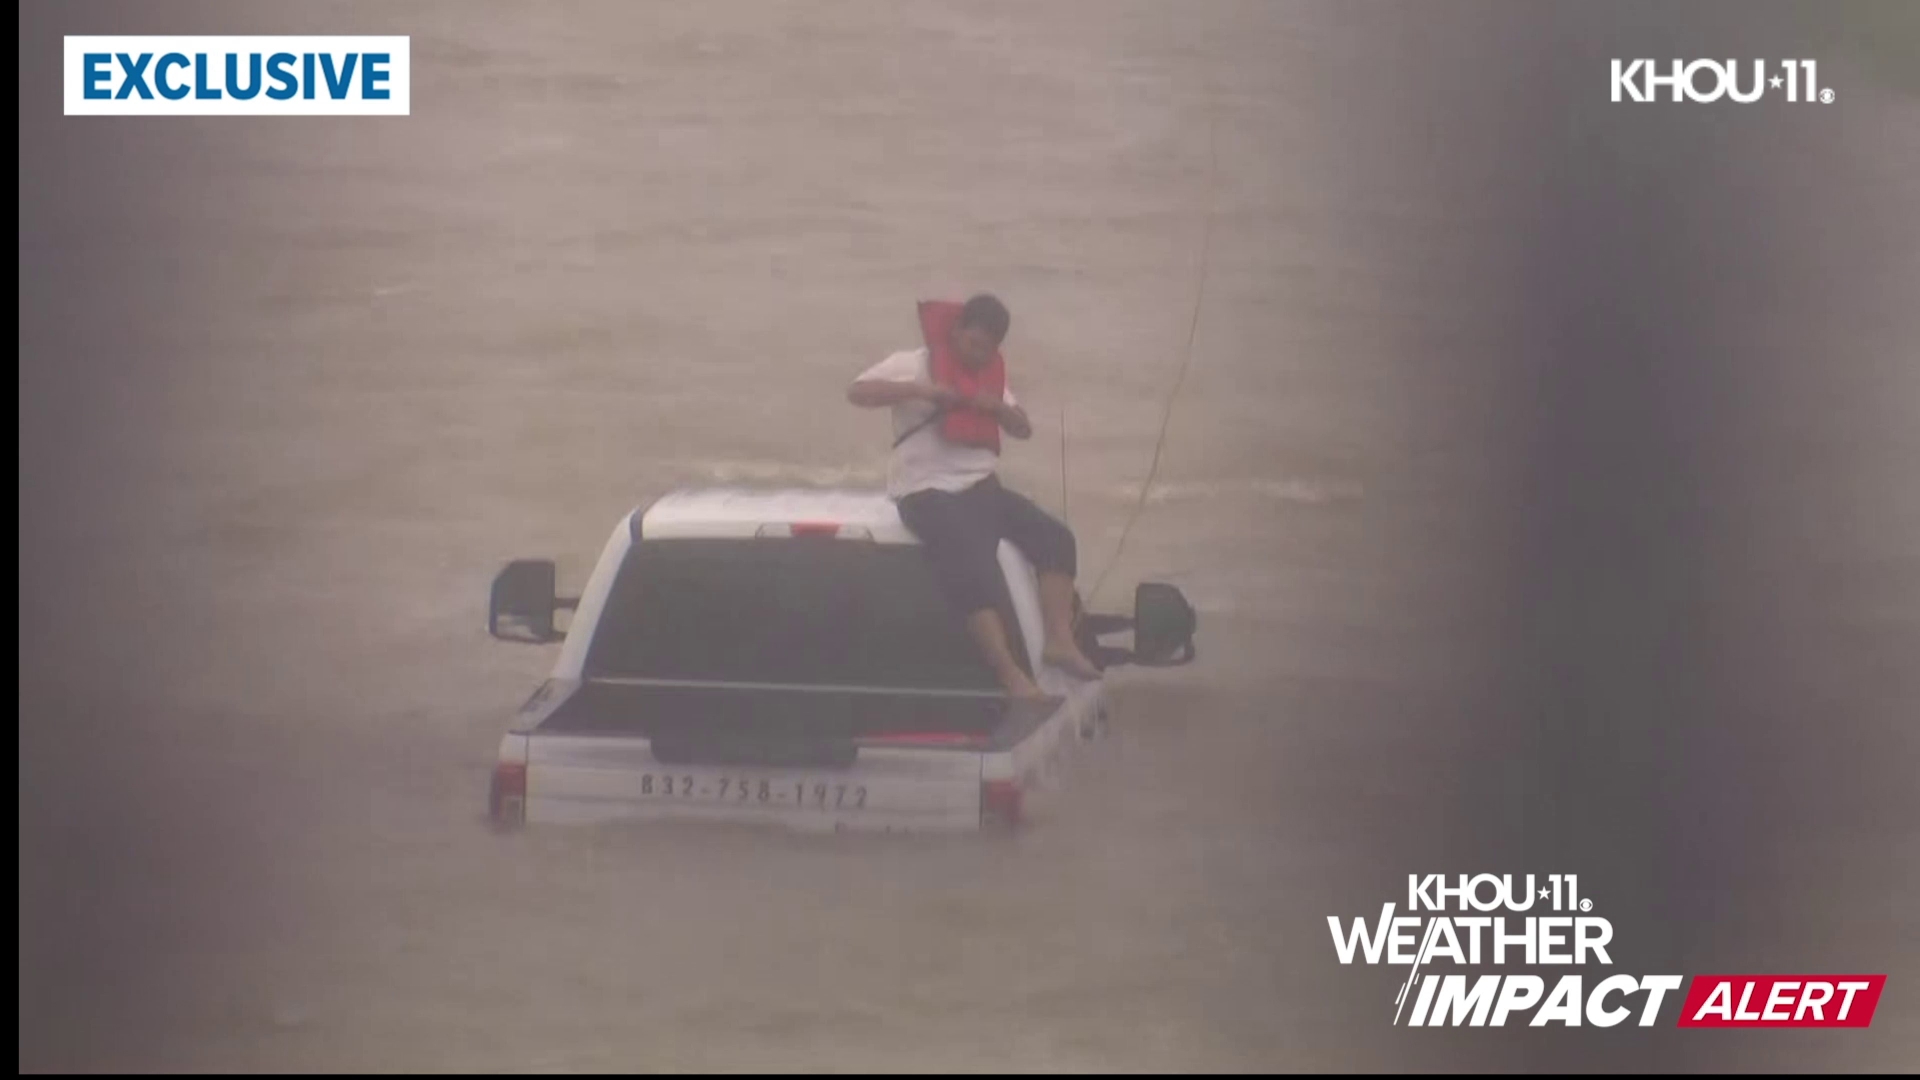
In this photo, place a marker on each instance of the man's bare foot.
(1026, 690)
(1070, 659)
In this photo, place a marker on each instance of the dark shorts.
(961, 532)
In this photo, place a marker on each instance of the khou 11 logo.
(1710, 80)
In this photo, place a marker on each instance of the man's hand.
(986, 403)
(1012, 418)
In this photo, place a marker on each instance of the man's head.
(982, 326)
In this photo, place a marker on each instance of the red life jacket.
(967, 427)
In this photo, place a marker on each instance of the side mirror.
(1163, 626)
(523, 592)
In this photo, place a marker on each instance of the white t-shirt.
(926, 460)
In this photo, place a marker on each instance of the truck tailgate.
(802, 758)
(575, 779)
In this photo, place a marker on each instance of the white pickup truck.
(784, 658)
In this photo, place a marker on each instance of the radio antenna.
(1065, 517)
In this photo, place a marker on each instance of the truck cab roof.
(731, 512)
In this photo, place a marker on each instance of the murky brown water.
(292, 390)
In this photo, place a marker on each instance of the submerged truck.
(784, 658)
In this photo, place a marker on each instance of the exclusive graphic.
(1544, 921)
(226, 75)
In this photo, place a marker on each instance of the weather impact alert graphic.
(1543, 921)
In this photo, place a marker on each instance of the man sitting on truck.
(950, 403)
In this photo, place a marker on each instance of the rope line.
(1186, 364)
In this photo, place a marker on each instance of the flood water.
(1542, 472)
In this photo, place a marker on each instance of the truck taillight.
(507, 796)
(1000, 803)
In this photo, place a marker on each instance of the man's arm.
(881, 393)
(896, 380)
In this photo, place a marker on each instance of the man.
(950, 404)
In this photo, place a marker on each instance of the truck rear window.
(811, 612)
